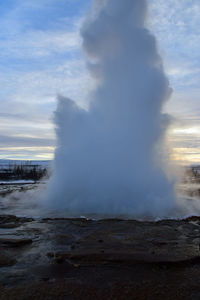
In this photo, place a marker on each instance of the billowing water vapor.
(105, 161)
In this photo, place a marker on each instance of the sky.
(41, 57)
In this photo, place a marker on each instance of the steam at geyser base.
(106, 159)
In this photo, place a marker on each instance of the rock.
(192, 219)
(5, 260)
(50, 254)
(59, 259)
(45, 279)
(10, 221)
(14, 242)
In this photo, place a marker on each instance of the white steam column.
(105, 161)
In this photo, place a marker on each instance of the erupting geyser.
(105, 161)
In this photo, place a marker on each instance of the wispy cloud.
(39, 44)
(40, 57)
(14, 141)
(177, 27)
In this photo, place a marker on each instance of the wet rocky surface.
(9, 188)
(103, 259)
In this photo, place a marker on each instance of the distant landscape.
(23, 170)
(192, 174)
(12, 170)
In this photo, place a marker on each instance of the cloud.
(39, 44)
(176, 25)
(13, 141)
(27, 153)
(40, 57)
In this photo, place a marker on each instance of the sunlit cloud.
(192, 130)
(186, 156)
(27, 153)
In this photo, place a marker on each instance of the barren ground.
(106, 259)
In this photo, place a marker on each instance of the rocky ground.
(105, 259)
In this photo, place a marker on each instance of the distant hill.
(9, 163)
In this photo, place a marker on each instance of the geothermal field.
(46, 255)
(106, 219)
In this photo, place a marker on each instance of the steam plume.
(105, 161)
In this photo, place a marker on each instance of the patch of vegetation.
(23, 172)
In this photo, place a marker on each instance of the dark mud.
(105, 259)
